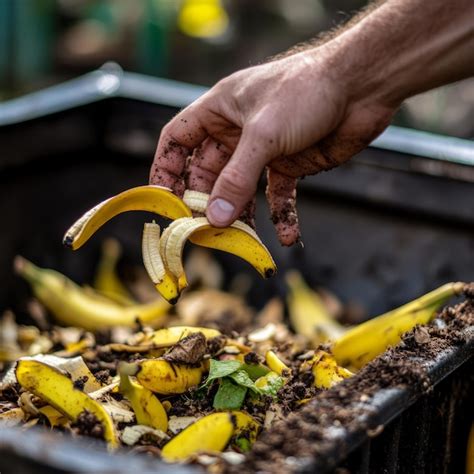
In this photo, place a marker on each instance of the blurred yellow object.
(203, 18)
(470, 452)
(107, 281)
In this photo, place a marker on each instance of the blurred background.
(43, 42)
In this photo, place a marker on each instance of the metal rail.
(112, 81)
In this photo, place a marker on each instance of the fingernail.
(220, 211)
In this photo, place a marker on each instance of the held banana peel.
(154, 199)
(165, 282)
(238, 239)
(162, 254)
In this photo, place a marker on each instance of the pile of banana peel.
(194, 380)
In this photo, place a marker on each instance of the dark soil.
(309, 433)
(88, 425)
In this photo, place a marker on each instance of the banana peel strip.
(72, 305)
(147, 408)
(308, 314)
(276, 364)
(364, 342)
(156, 199)
(211, 433)
(165, 378)
(238, 239)
(164, 281)
(326, 371)
(54, 387)
(167, 337)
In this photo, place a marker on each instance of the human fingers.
(177, 140)
(281, 197)
(237, 182)
(205, 164)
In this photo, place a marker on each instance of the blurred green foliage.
(197, 41)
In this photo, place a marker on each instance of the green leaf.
(255, 371)
(274, 383)
(243, 443)
(241, 378)
(229, 396)
(221, 368)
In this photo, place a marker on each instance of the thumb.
(237, 182)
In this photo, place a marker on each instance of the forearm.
(402, 48)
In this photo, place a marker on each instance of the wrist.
(398, 51)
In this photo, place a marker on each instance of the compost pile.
(210, 380)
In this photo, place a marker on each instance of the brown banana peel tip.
(68, 242)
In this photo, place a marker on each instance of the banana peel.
(246, 425)
(166, 378)
(308, 314)
(276, 364)
(147, 408)
(73, 306)
(326, 371)
(167, 337)
(364, 342)
(156, 199)
(55, 417)
(58, 390)
(164, 266)
(165, 282)
(238, 239)
(106, 281)
(211, 433)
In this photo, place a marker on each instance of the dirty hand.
(309, 111)
(291, 114)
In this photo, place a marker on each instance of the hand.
(292, 114)
(311, 111)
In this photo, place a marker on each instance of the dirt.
(346, 405)
(87, 424)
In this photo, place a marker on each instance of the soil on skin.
(344, 406)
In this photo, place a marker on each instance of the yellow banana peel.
(161, 376)
(58, 390)
(169, 336)
(154, 199)
(470, 452)
(308, 315)
(246, 425)
(238, 239)
(107, 282)
(72, 305)
(147, 408)
(211, 433)
(55, 417)
(276, 364)
(165, 283)
(364, 342)
(326, 371)
(164, 264)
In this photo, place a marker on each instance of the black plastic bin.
(394, 223)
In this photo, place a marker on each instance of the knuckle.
(263, 132)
